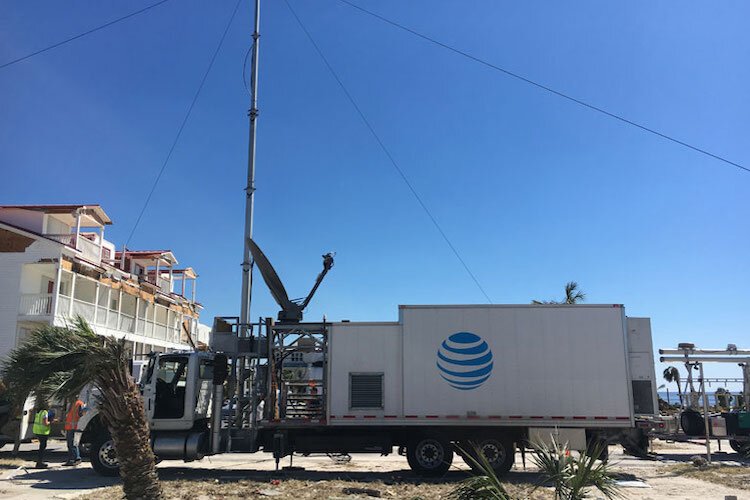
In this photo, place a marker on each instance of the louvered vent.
(366, 390)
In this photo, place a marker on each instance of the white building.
(56, 265)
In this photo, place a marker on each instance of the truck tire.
(430, 455)
(499, 453)
(103, 457)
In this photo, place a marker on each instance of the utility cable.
(386, 151)
(546, 88)
(184, 120)
(81, 35)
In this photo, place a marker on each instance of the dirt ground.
(252, 476)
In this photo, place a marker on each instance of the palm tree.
(572, 295)
(77, 356)
(672, 374)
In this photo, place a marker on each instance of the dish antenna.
(291, 309)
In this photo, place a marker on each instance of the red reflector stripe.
(370, 416)
(350, 416)
(516, 416)
(579, 418)
(600, 418)
(431, 416)
(411, 416)
(495, 417)
(536, 417)
(558, 418)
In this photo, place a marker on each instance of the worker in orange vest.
(72, 433)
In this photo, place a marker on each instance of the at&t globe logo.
(465, 361)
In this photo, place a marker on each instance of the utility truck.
(437, 381)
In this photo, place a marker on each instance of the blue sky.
(533, 190)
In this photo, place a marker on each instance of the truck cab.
(179, 390)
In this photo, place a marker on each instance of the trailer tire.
(499, 453)
(103, 457)
(430, 455)
(743, 448)
(692, 423)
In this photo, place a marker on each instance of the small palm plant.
(573, 476)
(484, 484)
(68, 358)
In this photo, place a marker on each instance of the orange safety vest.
(71, 419)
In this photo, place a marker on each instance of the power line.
(81, 35)
(184, 121)
(545, 88)
(387, 152)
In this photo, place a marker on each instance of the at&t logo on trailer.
(464, 361)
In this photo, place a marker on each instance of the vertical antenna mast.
(247, 262)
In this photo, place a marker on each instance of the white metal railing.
(84, 309)
(63, 305)
(36, 304)
(66, 239)
(40, 304)
(91, 250)
(127, 322)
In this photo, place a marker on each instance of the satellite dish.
(291, 310)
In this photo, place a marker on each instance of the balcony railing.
(66, 239)
(36, 304)
(142, 325)
(91, 251)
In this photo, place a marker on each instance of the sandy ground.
(251, 476)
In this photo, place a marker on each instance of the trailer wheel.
(429, 455)
(103, 456)
(499, 453)
(742, 448)
(692, 423)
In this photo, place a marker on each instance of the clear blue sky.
(533, 190)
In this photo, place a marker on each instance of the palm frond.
(484, 485)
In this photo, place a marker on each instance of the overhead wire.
(81, 35)
(546, 88)
(184, 121)
(387, 152)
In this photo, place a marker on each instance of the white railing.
(40, 304)
(91, 250)
(36, 304)
(63, 305)
(127, 322)
(66, 239)
(83, 309)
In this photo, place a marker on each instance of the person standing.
(72, 434)
(41, 430)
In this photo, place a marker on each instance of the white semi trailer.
(441, 377)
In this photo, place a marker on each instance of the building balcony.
(36, 304)
(91, 251)
(150, 322)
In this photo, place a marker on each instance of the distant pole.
(247, 261)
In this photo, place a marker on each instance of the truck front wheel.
(430, 455)
(103, 456)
